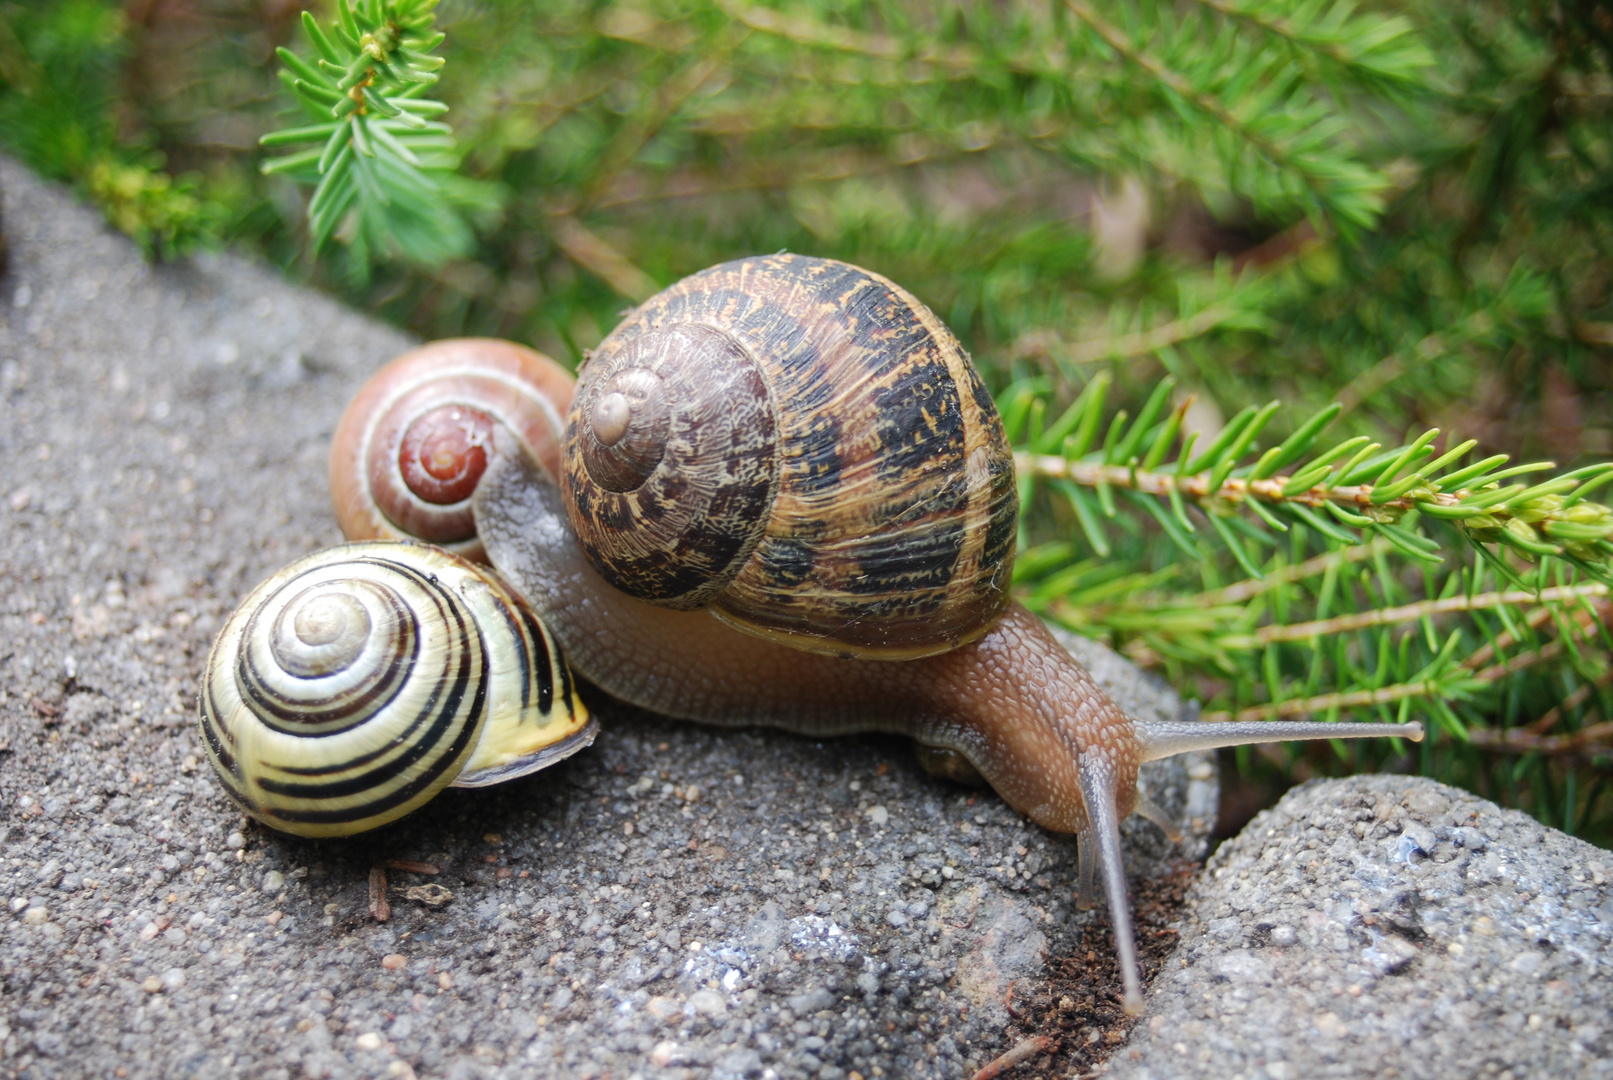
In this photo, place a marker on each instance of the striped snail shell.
(802, 447)
(352, 686)
(412, 445)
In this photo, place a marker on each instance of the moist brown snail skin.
(801, 449)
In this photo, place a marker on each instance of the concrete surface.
(1387, 926)
(676, 902)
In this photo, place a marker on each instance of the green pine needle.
(382, 172)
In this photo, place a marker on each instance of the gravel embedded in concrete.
(675, 902)
(1386, 926)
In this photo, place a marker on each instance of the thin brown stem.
(380, 907)
(1312, 567)
(1549, 719)
(1549, 651)
(1047, 344)
(1197, 487)
(1487, 652)
(1586, 742)
(589, 251)
(1322, 703)
(1021, 1051)
(1176, 82)
(1410, 612)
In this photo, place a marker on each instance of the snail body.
(355, 684)
(800, 449)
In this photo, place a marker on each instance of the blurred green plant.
(59, 65)
(1391, 216)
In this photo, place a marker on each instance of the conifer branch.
(1373, 489)
(1049, 344)
(1277, 118)
(1423, 609)
(380, 159)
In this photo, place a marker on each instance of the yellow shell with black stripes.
(354, 685)
(802, 447)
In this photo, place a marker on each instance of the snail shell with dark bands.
(804, 448)
(412, 445)
(352, 686)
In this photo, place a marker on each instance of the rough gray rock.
(1387, 926)
(676, 902)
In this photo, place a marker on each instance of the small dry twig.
(1022, 1051)
(380, 909)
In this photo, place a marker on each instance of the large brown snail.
(801, 449)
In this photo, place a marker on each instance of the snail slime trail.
(784, 497)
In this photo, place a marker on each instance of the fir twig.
(381, 159)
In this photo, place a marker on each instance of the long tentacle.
(1163, 739)
(1098, 789)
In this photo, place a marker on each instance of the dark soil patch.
(1078, 1009)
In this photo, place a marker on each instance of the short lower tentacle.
(1087, 857)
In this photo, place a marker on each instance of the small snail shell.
(352, 686)
(411, 446)
(803, 448)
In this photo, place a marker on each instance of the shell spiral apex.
(803, 447)
(352, 686)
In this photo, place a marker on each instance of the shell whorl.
(413, 443)
(352, 686)
(890, 503)
(671, 454)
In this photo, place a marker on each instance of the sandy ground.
(675, 902)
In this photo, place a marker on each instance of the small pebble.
(173, 979)
(273, 881)
(394, 961)
(235, 841)
(879, 816)
(152, 984)
(19, 905)
(35, 915)
(368, 1041)
(707, 1003)
(445, 981)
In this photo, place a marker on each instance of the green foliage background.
(1403, 208)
